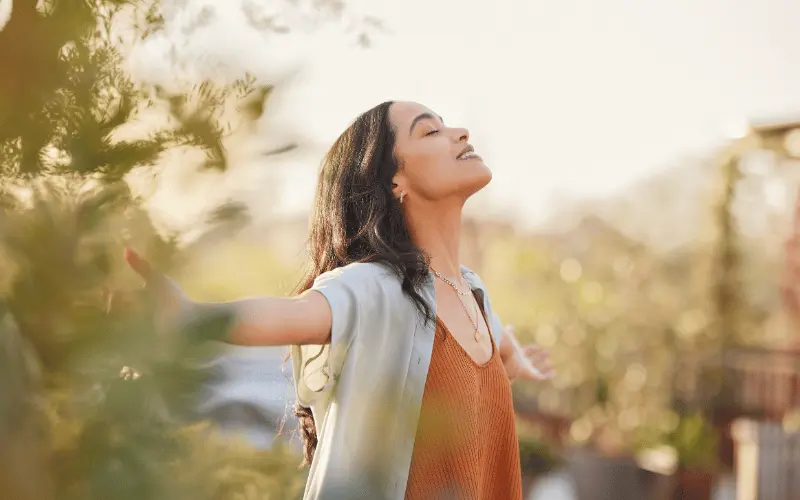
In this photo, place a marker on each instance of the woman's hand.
(160, 295)
(530, 362)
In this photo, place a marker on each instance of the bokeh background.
(644, 182)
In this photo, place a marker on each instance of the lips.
(467, 153)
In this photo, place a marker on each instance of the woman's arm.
(509, 345)
(257, 321)
(263, 321)
(529, 362)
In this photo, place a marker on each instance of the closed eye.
(432, 132)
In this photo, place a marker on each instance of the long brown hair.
(356, 218)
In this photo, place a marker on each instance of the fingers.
(548, 374)
(532, 349)
(535, 353)
(546, 368)
(536, 363)
(540, 364)
(138, 264)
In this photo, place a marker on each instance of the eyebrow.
(423, 116)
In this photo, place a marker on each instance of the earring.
(402, 194)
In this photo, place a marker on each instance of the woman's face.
(436, 161)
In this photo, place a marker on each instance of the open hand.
(159, 293)
(530, 362)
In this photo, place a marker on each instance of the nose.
(462, 134)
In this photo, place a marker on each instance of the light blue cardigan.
(365, 388)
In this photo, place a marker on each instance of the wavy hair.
(356, 218)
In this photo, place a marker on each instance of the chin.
(479, 177)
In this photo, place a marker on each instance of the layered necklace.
(474, 322)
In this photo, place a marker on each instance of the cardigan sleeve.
(352, 292)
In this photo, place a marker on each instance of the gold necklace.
(474, 322)
(451, 283)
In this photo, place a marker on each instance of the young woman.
(401, 367)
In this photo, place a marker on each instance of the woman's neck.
(440, 237)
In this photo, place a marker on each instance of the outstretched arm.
(269, 321)
(257, 321)
(530, 362)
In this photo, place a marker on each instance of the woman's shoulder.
(472, 278)
(364, 274)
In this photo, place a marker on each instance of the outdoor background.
(644, 183)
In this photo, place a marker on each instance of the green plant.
(686, 442)
(695, 441)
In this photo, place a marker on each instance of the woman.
(401, 368)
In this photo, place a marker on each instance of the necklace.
(474, 322)
(451, 283)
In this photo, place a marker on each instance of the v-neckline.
(450, 335)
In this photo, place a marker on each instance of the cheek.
(433, 173)
(430, 176)
(442, 179)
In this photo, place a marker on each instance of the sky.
(564, 100)
(581, 98)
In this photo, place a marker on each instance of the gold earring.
(402, 194)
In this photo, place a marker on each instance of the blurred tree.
(57, 239)
(64, 95)
(727, 281)
(613, 312)
(91, 401)
(23, 430)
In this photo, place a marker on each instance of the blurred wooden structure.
(748, 391)
(767, 461)
(763, 394)
(766, 382)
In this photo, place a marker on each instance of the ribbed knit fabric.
(466, 445)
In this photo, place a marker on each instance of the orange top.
(466, 445)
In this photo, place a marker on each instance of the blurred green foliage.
(636, 332)
(65, 96)
(93, 404)
(695, 441)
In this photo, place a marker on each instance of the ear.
(398, 183)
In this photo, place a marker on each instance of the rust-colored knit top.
(466, 445)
